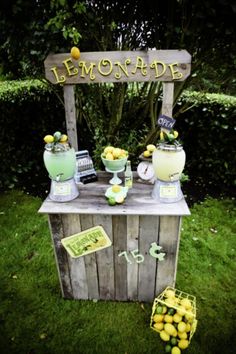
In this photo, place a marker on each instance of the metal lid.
(166, 147)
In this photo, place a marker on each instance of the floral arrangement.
(57, 142)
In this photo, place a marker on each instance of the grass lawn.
(34, 319)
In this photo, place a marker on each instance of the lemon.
(176, 134)
(109, 156)
(183, 343)
(116, 188)
(57, 136)
(64, 138)
(177, 318)
(159, 310)
(159, 326)
(48, 139)
(151, 147)
(111, 201)
(108, 149)
(182, 335)
(175, 333)
(162, 135)
(171, 311)
(169, 328)
(171, 136)
(189, 317)
(170, 293)
(158, 318)
(175, 350)
(188, 327)
(168, 318)
(168, 348)
(75, 53)
(164, 336)
(173, 341)
(181, 326)
(181, 310)
(119, 199)
(186, 303)
(116, 152)
(171, 301)
(147, 153)
(164, 309)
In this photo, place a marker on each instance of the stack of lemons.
(114, 153)
(174, 319)
(149, 150)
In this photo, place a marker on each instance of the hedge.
(31, 109)
(208, 131)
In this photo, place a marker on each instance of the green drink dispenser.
(60, 162)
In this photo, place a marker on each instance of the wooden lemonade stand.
(126, 270)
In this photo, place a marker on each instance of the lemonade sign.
(117, 66)
(87, 241)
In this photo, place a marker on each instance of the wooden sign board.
(118, 66)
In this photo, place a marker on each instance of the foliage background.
(118, 114)
(31, 109)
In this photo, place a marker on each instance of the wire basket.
(179, 307)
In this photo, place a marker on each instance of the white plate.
(123, 192)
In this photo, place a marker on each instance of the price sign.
(137, 257)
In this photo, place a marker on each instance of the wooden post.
(168, 98)
(69, 99)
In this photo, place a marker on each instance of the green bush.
(28, 111)
(208, 132)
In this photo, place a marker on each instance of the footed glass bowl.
(115, 165)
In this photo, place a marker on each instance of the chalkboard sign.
(166, 122)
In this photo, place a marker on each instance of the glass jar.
(168, 162)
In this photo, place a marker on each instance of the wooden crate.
(134, 225)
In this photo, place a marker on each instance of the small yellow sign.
(87, 241)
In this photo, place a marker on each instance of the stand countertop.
(91, 200)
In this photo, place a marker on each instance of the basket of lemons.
(174, 317)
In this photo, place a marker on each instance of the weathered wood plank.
(55, 225)
(105, 262)
(148, 233)
(169, 240)
(132, 244)
(71, 225)
(119, 223)
(168, 98)
(92, 201)
(118, 66)
(69, 100)
(90, 261)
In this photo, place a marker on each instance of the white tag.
(62, 189)
(168, 192)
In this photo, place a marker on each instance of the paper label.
(168, 192)
(62, 189)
